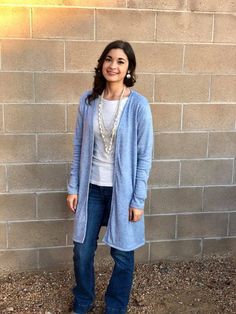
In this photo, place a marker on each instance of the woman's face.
(115, 65)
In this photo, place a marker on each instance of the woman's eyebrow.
(118, 58)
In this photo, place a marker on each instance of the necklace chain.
(106, 133)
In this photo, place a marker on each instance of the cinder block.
(154, 57)
(181, 88)
(166, 117)
(16, 87)
(129, 19)
(223, 88)
(215, 59)
(32, 55)
(219, 198)
(160, 227)
(175, 250)
(53, 205)
(1, 118)
(3, 236)
(184, 26)
(145, 85)
(35, 234)
(176, 200)
(17, 206)
(55, 147)
(35, 118)
(212, 117)
(63, 23)
(220, 246)
(164, 173)
(3, 179)
(222, 144)
(206, 172)
(180, 145)
(37, 177)
(157, 4)
(56, 258)
(224, 28)
(20, 260)
(202, 225)
(232, 224)
(71, 117)
(61, 87)
(83, 56)
(141, 254)
(15, 21)
(212, 5)
(17, 148)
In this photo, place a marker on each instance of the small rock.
(10, 309)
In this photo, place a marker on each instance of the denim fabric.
(118, 290)
(132, 162)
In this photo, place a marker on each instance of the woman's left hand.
(135, 214)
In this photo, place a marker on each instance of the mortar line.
(7, 238)
(154, 88)
(201, 247)
(36, 148)
(6, 176)
(64, 59)
(94, 24)
(209, 88)
(228, 224)
(180, 43)
(176, 226)
(203, 197)
(114, 8)
(157, 72)
(183, 58)
(233, 171)
(66, 121)
(36, 206)
(213, 28)
(149, 252)
(34, 89)
(208, 141)
(31, 22)
(181, 117)
(3, 118)
(180, 169)
(155, 26)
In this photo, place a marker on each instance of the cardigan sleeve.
(73, 185)
(144, 155)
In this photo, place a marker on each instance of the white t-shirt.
(102, 162)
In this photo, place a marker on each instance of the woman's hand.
(72, 200)
(135, 214)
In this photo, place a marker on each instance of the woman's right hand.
(72, 200)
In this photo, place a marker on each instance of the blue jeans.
(120, 284)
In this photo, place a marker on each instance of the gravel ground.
(201, 286)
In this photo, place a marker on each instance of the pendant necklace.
(106, 133)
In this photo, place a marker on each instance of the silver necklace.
(106, 133)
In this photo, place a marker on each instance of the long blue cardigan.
(132, 163)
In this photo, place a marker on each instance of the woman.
(109, 173)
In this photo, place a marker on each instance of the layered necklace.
(108, 134)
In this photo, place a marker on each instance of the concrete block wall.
(186, 53)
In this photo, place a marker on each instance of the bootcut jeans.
(120, 284)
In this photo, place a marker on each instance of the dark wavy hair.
(99, 80)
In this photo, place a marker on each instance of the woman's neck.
(113, 91)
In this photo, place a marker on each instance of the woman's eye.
(120, 62)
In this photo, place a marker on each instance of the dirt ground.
(199, 286)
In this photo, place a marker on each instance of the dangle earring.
(128, 75)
